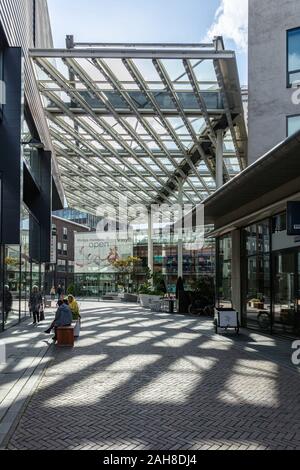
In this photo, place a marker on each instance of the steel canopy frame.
(123, 147)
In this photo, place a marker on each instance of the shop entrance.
(286, 288)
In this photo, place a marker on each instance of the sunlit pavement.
(143, 380)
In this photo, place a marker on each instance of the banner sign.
(93, 255)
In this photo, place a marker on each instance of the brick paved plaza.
(143, 380)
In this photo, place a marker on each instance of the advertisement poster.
(93, 255)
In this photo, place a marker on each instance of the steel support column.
(150, 241)
(220, 160)
(180, 232)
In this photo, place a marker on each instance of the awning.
(269, 180)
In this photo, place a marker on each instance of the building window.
(293, 56)
(2, 84)
(224, 270)
(34, 22)
(257, 282)
(61, 265)
(65, 249)
(293, 124)
(59, 248)
(279, 223)
(65, 233)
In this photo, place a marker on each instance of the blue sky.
(151, 21)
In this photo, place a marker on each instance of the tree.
(179, 287)
(128, 269)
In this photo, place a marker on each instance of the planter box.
(146, 300)
(130, 298)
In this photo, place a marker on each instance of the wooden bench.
(65, 336)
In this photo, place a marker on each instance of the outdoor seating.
(65, 336)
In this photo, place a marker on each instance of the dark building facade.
(30, 187)
(61, 270)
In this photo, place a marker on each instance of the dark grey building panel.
(10, 161)
(20, 27)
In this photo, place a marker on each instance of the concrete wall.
(269, 98)
(43, 33)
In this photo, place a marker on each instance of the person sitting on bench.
(63, 317)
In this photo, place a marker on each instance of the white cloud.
(231, 22)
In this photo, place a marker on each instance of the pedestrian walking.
(60, 292)
(35, 304)
(8, 300)
(53, 293)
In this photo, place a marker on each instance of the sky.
(181, 21)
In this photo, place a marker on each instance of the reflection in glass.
(293, 125)
(257, 276)
(293, 55)
(224, 272)
(286, 313)
(12, 285)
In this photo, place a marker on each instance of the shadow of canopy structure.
(141, 120)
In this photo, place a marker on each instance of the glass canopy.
(141, 120)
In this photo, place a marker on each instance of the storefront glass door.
(286, 292)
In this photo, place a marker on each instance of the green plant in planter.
(71, 289)
(148, 289)
(145, 289)
(159, 283)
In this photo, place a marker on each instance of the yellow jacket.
(75, 309)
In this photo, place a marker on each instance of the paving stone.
(140, 380)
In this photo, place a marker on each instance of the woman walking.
(53, 293)
(35, 304)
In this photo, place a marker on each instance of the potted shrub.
(152, 291)
(127, 269)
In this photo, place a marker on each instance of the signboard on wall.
(293, 218)
(93, 255)
(53, 246)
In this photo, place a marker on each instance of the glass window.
(224, 269)
(286, 314)
(25, 280)
(65, 233)
(293, 40)
(257, 293)
(61, 265)
(2, 85)
(12, 263)
(293, 125)
(279, 223)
